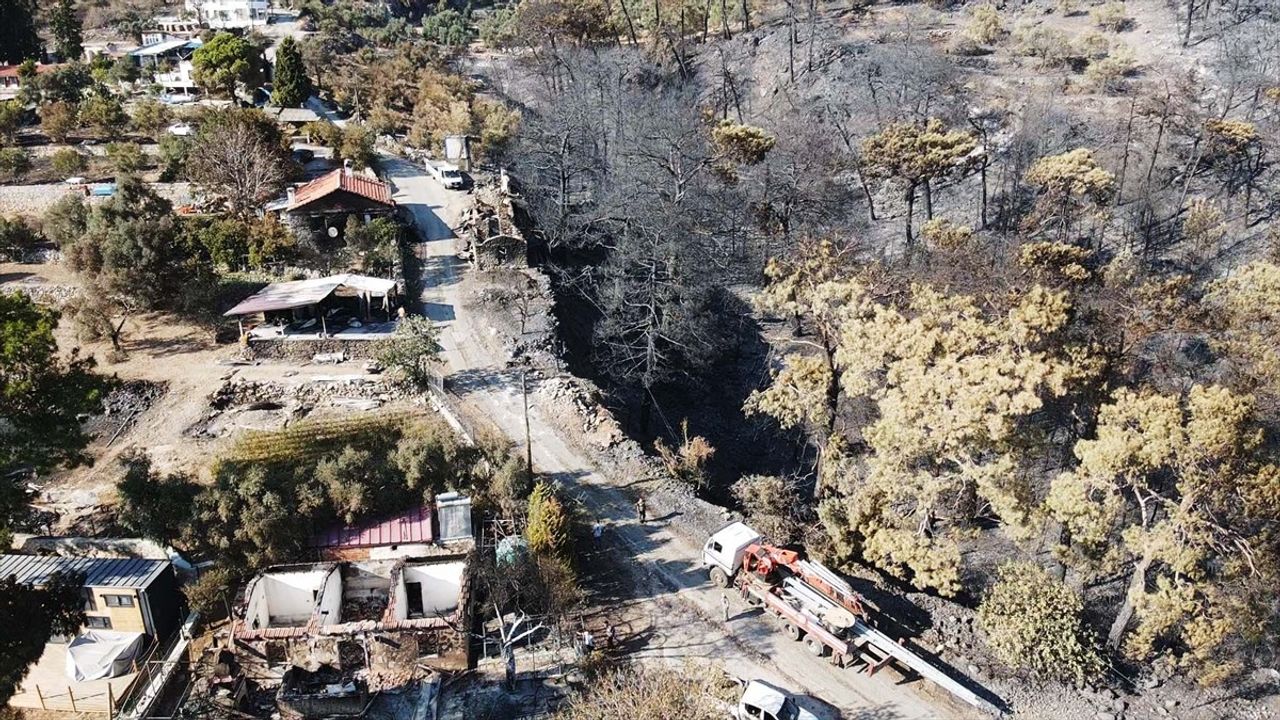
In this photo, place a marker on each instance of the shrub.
(413, 351)
(984, 24)
(686, 462)
(946, 235)
(1032, 623)
(126, 158)
(67, 162)
(1050, 45)
(1110, 16)
(1109, 73)
(208, 595)
(14, 163)
(16, 237)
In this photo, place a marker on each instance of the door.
(414, 591)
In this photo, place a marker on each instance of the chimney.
(292, 193)
(346, 168)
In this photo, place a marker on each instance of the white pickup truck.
(447, 174)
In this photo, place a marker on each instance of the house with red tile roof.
(319, 209)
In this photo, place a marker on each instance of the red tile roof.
(12, 70)
(342, 179)
(413, 526)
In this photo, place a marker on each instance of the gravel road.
(669, 586)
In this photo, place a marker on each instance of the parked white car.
(447, 174)
(762, 701)
(181, 129)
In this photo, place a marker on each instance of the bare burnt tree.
(239, 156)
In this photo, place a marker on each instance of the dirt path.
(668, 587)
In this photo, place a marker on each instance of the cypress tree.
(67, 33)
(292, 86)
(18, 39)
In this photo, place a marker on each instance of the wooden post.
(73, 699)
(40, 695)
(111, 702)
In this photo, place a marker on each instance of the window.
(99, 623)
(118, 600)
(715, 547)
(90, 604)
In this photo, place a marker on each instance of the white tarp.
(98, 654)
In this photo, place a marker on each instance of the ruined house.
(325, 635)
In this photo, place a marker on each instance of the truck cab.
(722, 553)
(762, 701)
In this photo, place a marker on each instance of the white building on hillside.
(221, 14)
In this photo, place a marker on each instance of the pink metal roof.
(413, 526)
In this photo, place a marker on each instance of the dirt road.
(681, 606)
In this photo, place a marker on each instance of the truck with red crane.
(816, 606)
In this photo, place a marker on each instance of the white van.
(447, 174)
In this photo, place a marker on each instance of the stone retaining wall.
(306, 349)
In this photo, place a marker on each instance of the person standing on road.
(724, 605)
(611, 636)
(640, 509)
(597, 530)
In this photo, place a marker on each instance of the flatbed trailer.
(816, 606)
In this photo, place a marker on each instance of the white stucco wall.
(441, 584)
(291, 597)
(330, 604)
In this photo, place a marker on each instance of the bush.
(984, 25)
(68, 162)
(14, 163)
(1110, 16)
(1032, 623)
(126, 158)
(1051, 46)
(16, 237)
(65, 220)
(687, 461)
(209, 594)
(413, 351)
(1109, 73)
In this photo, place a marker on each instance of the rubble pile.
(252, 404)
(122, 407)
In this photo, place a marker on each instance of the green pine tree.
(292, 86)
(18, 39)
(68, 35)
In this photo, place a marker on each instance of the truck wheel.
(719, 578)
(815, 646)
(792, 631)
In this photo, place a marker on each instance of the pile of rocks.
(48, 294)
(123, 405)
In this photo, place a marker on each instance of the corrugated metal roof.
(165, 46)
(301, 293)
(342, 179)
(413, 526)
(99, 572)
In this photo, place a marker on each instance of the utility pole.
(528, 438)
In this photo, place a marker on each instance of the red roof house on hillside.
(321, 207)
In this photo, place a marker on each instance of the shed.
(319, 298)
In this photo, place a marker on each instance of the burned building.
(323, 636)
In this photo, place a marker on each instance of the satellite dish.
(333, 232)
